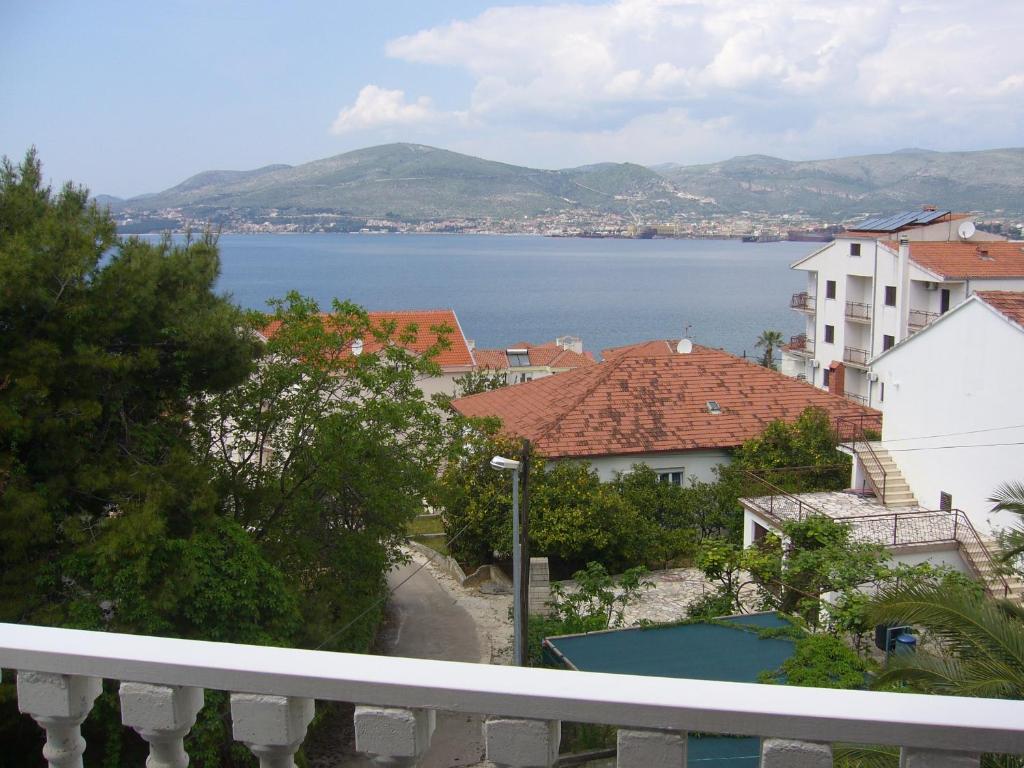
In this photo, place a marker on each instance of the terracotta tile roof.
(647, 398)
(1009, 303)
(549, 354)
(457, 356)
(956, 260)
(495, 359)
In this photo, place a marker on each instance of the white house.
(526, 362)
(677, 407)
(869, 290)
(953, 431)
(953, 401)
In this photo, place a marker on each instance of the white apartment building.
(876, 285)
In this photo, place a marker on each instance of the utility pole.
(523, 618)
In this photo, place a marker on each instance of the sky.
(134, 97)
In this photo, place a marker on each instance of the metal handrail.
(803, 509)
(801, 343)
(856, 356)
(802, 300)
(858, 310)
(859, 436)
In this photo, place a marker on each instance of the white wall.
(963, 374)
(700, 464)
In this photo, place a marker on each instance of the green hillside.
(413, 182)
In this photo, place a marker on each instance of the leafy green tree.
(105, 346)
(809, 443)
(597, 601)
(769, 341)
(108, 519)
(475, 382)
(325, 456)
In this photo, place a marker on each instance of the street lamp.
(502, 464)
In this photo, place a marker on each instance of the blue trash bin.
(905, 643)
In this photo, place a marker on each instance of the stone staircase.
(981, 554)
(897, 491)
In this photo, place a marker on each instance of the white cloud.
(377, 107)
(626, 78)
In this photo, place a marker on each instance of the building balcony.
(273, 693)
(919, 319)
(856, 357)
(802, 302)
(800, 345)
(858, 311)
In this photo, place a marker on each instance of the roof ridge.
(599, 379)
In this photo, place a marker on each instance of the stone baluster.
(645, 748)
(395, 737)
(272, 727)
(162, 715)
(933, 758)
(59, 703)
(788, 753)
(520, 743)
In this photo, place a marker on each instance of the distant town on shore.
(411, 188)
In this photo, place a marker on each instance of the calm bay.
(507, 289)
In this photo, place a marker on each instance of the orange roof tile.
(647, 398)
(1009, 303)
(458, 354)
(956, 260)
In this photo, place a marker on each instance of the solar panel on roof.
(929, 216)
(896, 221)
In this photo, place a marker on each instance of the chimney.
(837, 379)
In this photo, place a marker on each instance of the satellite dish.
(357, 347)
(684, 347)
(966, 230)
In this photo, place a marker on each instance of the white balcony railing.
(273, 692)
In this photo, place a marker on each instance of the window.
(855, 249)
(830, 334)
(890, 295)
(830, 289)
(825, 376)
(881, 397)
(945, 501)
(672, 476)
(888, 342)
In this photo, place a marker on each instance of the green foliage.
(970, 645)
(809, 442)
(596, 602)
(821, 661)
(1009, 497)
(162, 472)
(475, 382)
(101, 359)
(574, 518)
(327, 456)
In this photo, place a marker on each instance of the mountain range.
(413, 182)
